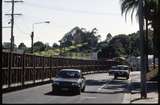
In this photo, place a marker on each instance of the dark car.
(120, 71)
(69, 80)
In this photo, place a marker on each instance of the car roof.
(71, 70)
(122, 65)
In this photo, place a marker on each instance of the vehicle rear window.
(114, 68)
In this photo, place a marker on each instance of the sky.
(64, 15)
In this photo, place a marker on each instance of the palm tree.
(151, 12)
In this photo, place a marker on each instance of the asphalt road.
(101, 88)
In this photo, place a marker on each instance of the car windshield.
(114, 68)
(68, 74)
(122, 68)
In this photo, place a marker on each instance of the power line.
(20, 30)
(62, 9)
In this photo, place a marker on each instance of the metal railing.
(30, 69)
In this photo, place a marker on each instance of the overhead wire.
(62, 9)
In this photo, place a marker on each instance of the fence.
(23, 69)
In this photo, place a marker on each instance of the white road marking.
(87, 97)
(108, 82)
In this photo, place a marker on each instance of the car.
(69, 80)
(111, 71)
(120, 71)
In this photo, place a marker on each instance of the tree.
(47, 46)
(118, 46)
(7, 45)
(55, 45)
(22, 46)
(108, 52)
(38, 46)
(108, 37)
(151, 12)
(80, 36)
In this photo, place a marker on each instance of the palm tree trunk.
(159, 75)
(146, 45)
(158, 44)
(154, 49)
(142, 49)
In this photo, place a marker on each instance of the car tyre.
(83, 89)
(115, 77)
(79, 91)
(127, 77)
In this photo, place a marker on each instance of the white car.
(120, 70)
(69, 80)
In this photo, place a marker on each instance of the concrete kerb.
(127, 96)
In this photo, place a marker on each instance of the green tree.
(151, 12)
(80, 36)
(47, 46)
(55, 45)
(22, 46)
(108, 37)
(38, 46)
(7, 45)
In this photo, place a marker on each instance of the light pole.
(32, 34)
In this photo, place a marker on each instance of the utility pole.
(32, 36)
(142, 50)
(12, 22)
(12, 38)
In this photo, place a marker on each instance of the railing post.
(43, 70)
(23, 63)
(34, 70)
(9, 69)
(50, 73)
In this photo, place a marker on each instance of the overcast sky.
(105, 15)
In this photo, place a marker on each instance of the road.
(101, 88)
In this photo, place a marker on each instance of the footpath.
(152, 93)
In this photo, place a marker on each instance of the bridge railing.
(23, 69)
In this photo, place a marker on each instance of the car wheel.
(127, 77)
(115, 77)
(52, 89)
(79, 91)
(83, 89)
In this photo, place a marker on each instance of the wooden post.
(50, 73)
(23, 69)
(9, 68)
(43, 70)
(34, 70)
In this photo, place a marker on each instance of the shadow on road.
(106, 92)
(150, 85)
(92, 82)
(115, 86)
(60, 94)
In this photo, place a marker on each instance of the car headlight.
(55, 82)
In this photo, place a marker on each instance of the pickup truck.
(120, 70)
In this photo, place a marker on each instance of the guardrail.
(23, 69)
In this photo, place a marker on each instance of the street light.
(32, 34)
